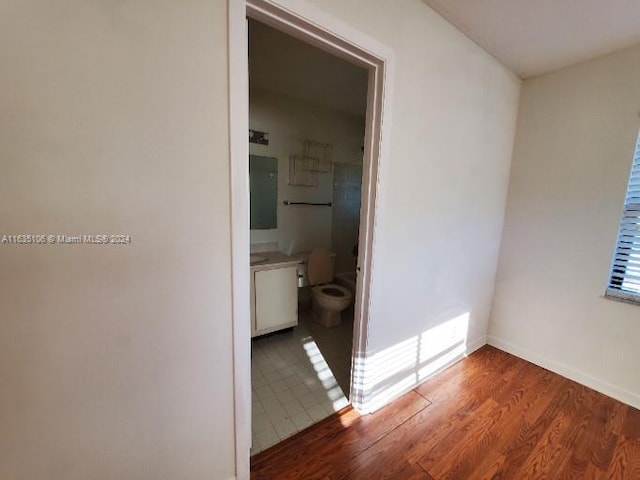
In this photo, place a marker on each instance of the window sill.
(621, 296)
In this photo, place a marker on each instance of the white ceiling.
(282, 64)
(532, 37)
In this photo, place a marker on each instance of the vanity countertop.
(270, 260)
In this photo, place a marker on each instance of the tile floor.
(336, 345)
(292, 384)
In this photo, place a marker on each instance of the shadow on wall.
(394, 370)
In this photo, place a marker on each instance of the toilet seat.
(332, 297)
(333, 290)
(329, 299)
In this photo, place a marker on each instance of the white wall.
(115, 360)
(289, 123)
(442, 192)
(576, 135)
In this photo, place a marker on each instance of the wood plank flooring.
(490, 416)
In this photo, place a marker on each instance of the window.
(624, 282)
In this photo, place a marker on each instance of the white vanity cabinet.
(274, 299)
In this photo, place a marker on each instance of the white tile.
(292, 384)
(272, 405)
(279, 386)
(307, 400)
(312, 383)
(300, 389)
(287, 393)
(272, 376)
(340, 403)
(256, 407)
(293, 380)
(276, 414)
(317, 413)
(258, 354)
(302, 420)
(257, 359)
(265, 367)
(285, 396)
(278, 417)
(258, 381)
(300, 369)
(280, 364)
(293, 407)
(264, 393)
(321, 397)
(274, 356)
(335, 393)
(330, 408)
(267, 438)
(289, 357)
(285, 429)
(326, 405)
(260, 422)
(291, 360)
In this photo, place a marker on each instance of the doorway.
(307, 114)
(309, 24)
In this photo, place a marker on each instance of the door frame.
(312, 25)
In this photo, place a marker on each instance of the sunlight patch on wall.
(394, 370)
(443, 344)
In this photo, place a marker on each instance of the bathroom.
(307, 122)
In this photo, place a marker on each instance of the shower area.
(347, 188)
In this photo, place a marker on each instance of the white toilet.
(328, 299)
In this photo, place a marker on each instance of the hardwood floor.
(490, 416)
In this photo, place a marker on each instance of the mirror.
(263, 185)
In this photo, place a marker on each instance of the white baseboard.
(475, 345)
(566, 371)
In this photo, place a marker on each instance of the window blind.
(624, 282)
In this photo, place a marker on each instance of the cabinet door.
(252, 296)
(276, 294)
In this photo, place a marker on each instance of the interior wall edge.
(583, 378)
